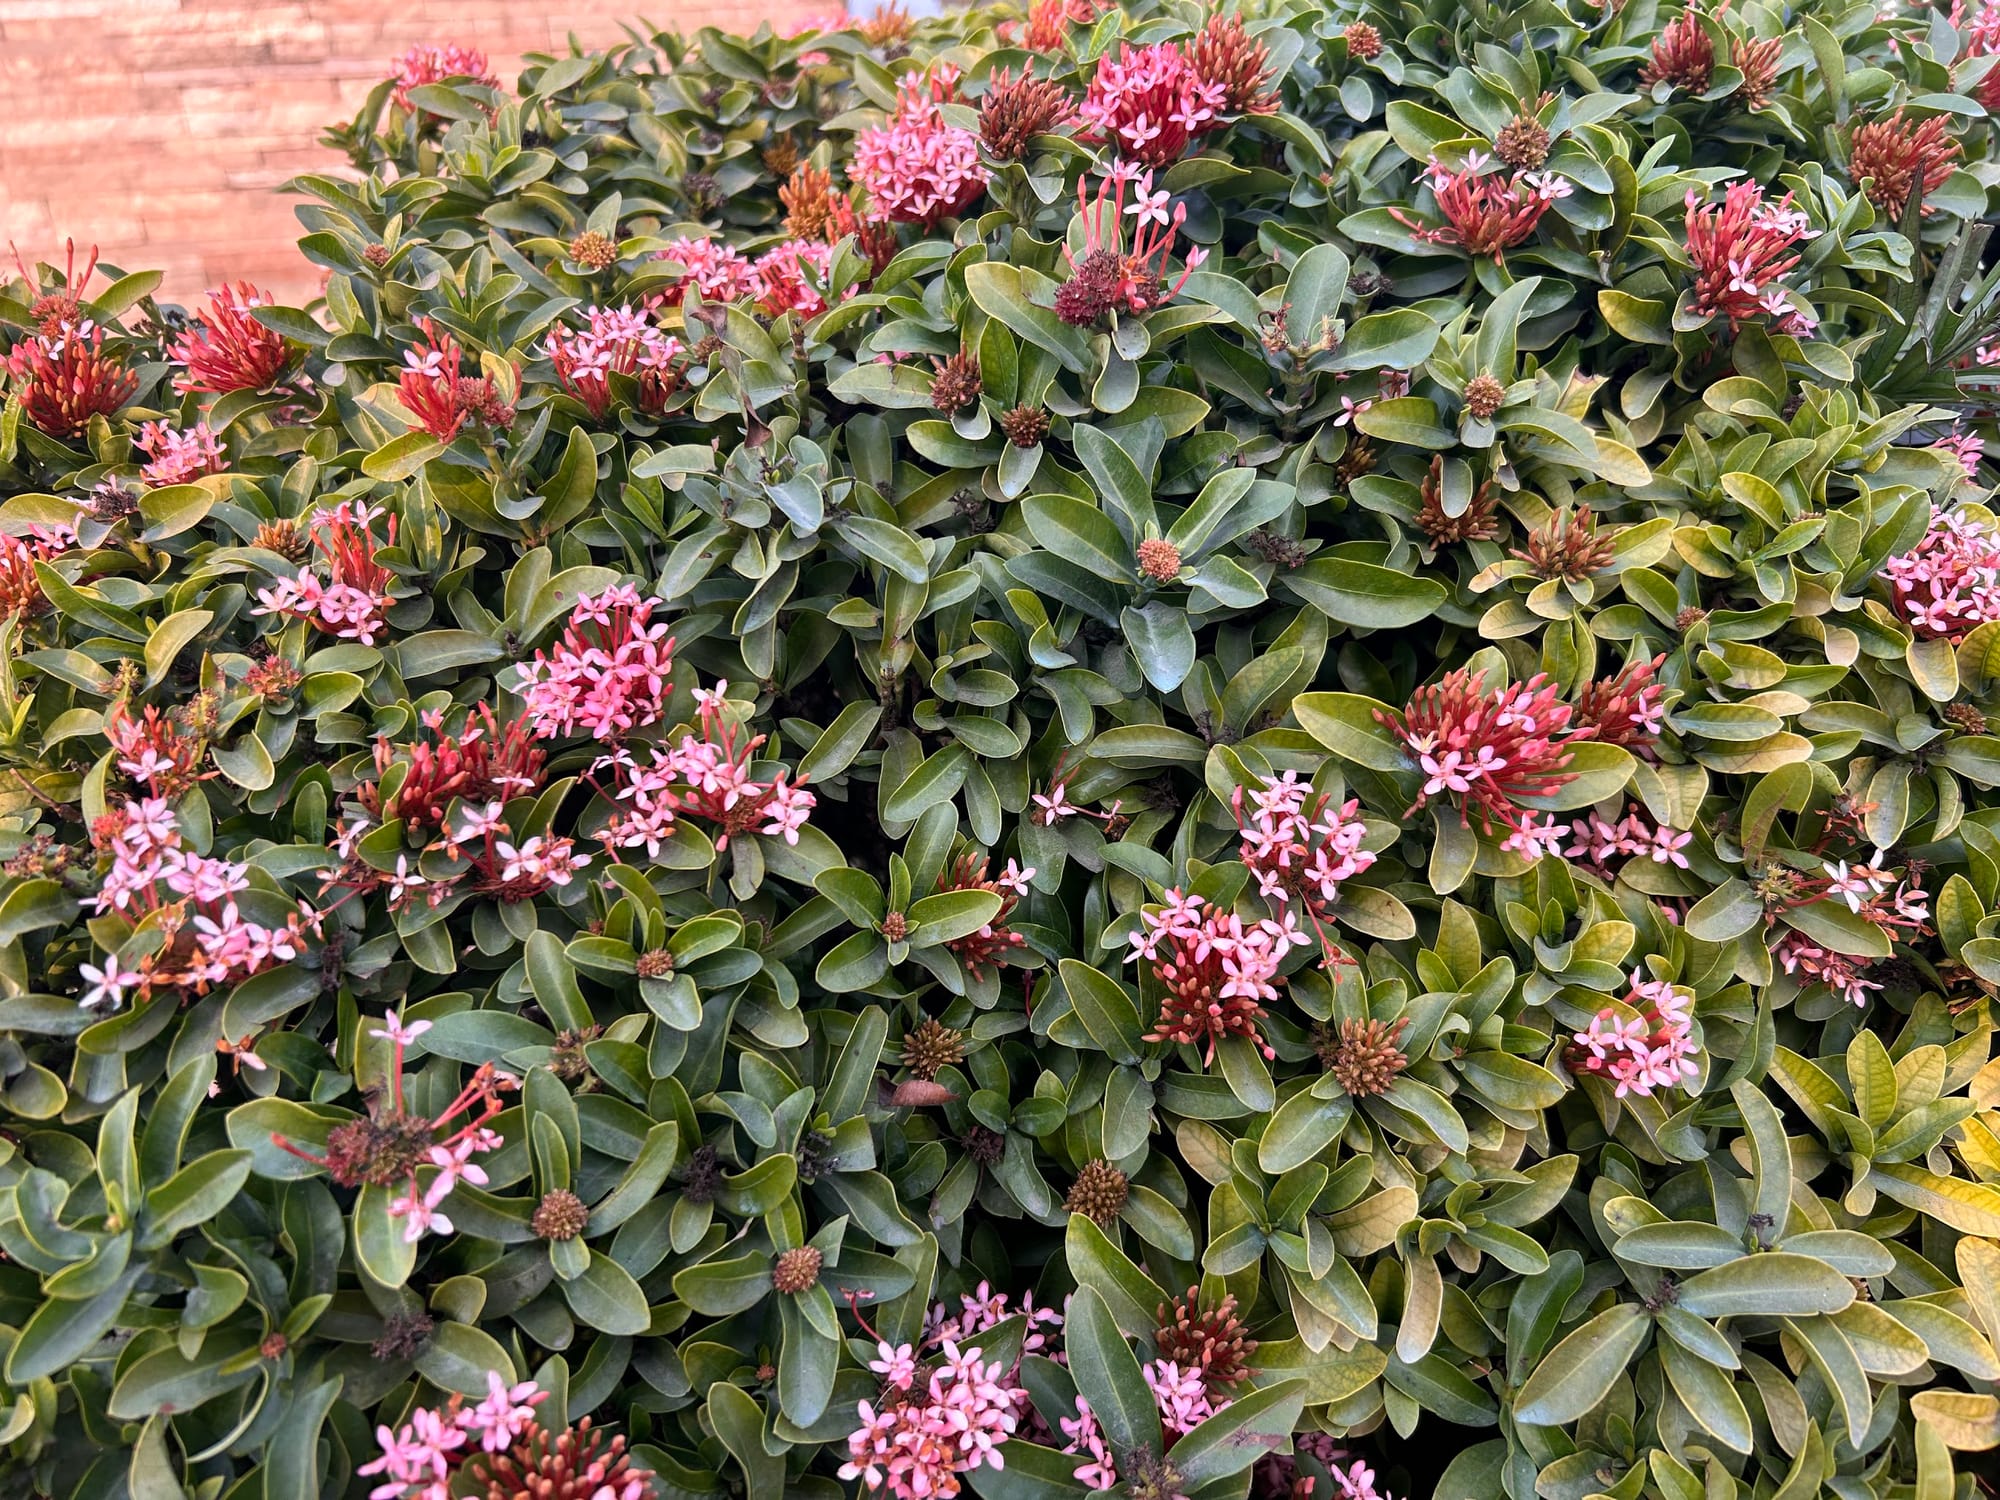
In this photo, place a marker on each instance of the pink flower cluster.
(1740, 249)
(1299, 844)
(1950, 581)
(1488, 751)
(175, 457)
(919, 168)
(609, 674)
(1484, 215)
(434, 64)
(1149, 102)
(208, 940)
(619, 341)
(708, 775)
(1183, 1401)
(504, 871)
(1106, 278)
(983, 1308)
(719, 272)
(1217, 971)
(1967, 447)
(417, 1459)
(1652, 1046)
(1598, 843)
(353, 603)
(1798, 954)
(789, 277)
(917, 1438)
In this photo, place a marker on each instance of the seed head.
(1968, 719)
(984, 1146)
(1364, 1057)
(1098, 1193)
(1475, 523)
(1025, 426)
(1483, 395)
(956, 386)
(931, 1047)
(797, 1270)
(1364, 42)
(1686, 619)
(656, 963)
(594, 250)
(403, 1336)
(702, 1175)
(561, 1215)
(376, 255)
(1523, 142)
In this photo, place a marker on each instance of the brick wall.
(160, 129)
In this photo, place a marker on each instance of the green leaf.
(606, 1298)
(1777, 1284)
(1578, 1373)
(1105, 1009)
(1348, 726)
(1359, 594)
(1107, 1375)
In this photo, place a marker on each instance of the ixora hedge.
(1166, 753)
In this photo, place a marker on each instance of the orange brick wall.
(160, 129)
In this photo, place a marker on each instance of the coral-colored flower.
(60, 308)
(20, 587)
(1484, 215)
(995, 943)
(479, 762)
(1487, 752)
(175, 457)
(1757, 61)
(1224, 55)
(1016, 110)
(1107, 279)
(435, 64)
(227, 349)
(1896, 158)
(1740, 248)
(1149, 102)
(1683, 55)
(65, 379)
(792, 277)
(919, 167)
(443, 399)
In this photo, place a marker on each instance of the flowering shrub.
(1153, 752)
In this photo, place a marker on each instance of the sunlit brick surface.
(159, 129)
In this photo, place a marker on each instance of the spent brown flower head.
(797, 1270)
(1016, 110)
(955, 387)
(1478, 522)
(931, 1047)
(1364, 1057)
(561, 1215)
(1523, 142)
(1025, 426)
(1098, 1193)
(1483, 395)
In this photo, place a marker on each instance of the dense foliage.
(1153, 752)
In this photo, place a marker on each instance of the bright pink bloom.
(1950, 581)
(178, 457)
(1148, 102)
(227, 349)
(919, 168)
(434, 64)
(1301, 845)
(352, 603)
(720, 273)
(1486, 752)
(1181, 1395)
(609, 674)
(439, 395)
(1649, 1044)
(1218, 972)
(621, 341)
(1740, 249)
(1967, 447)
